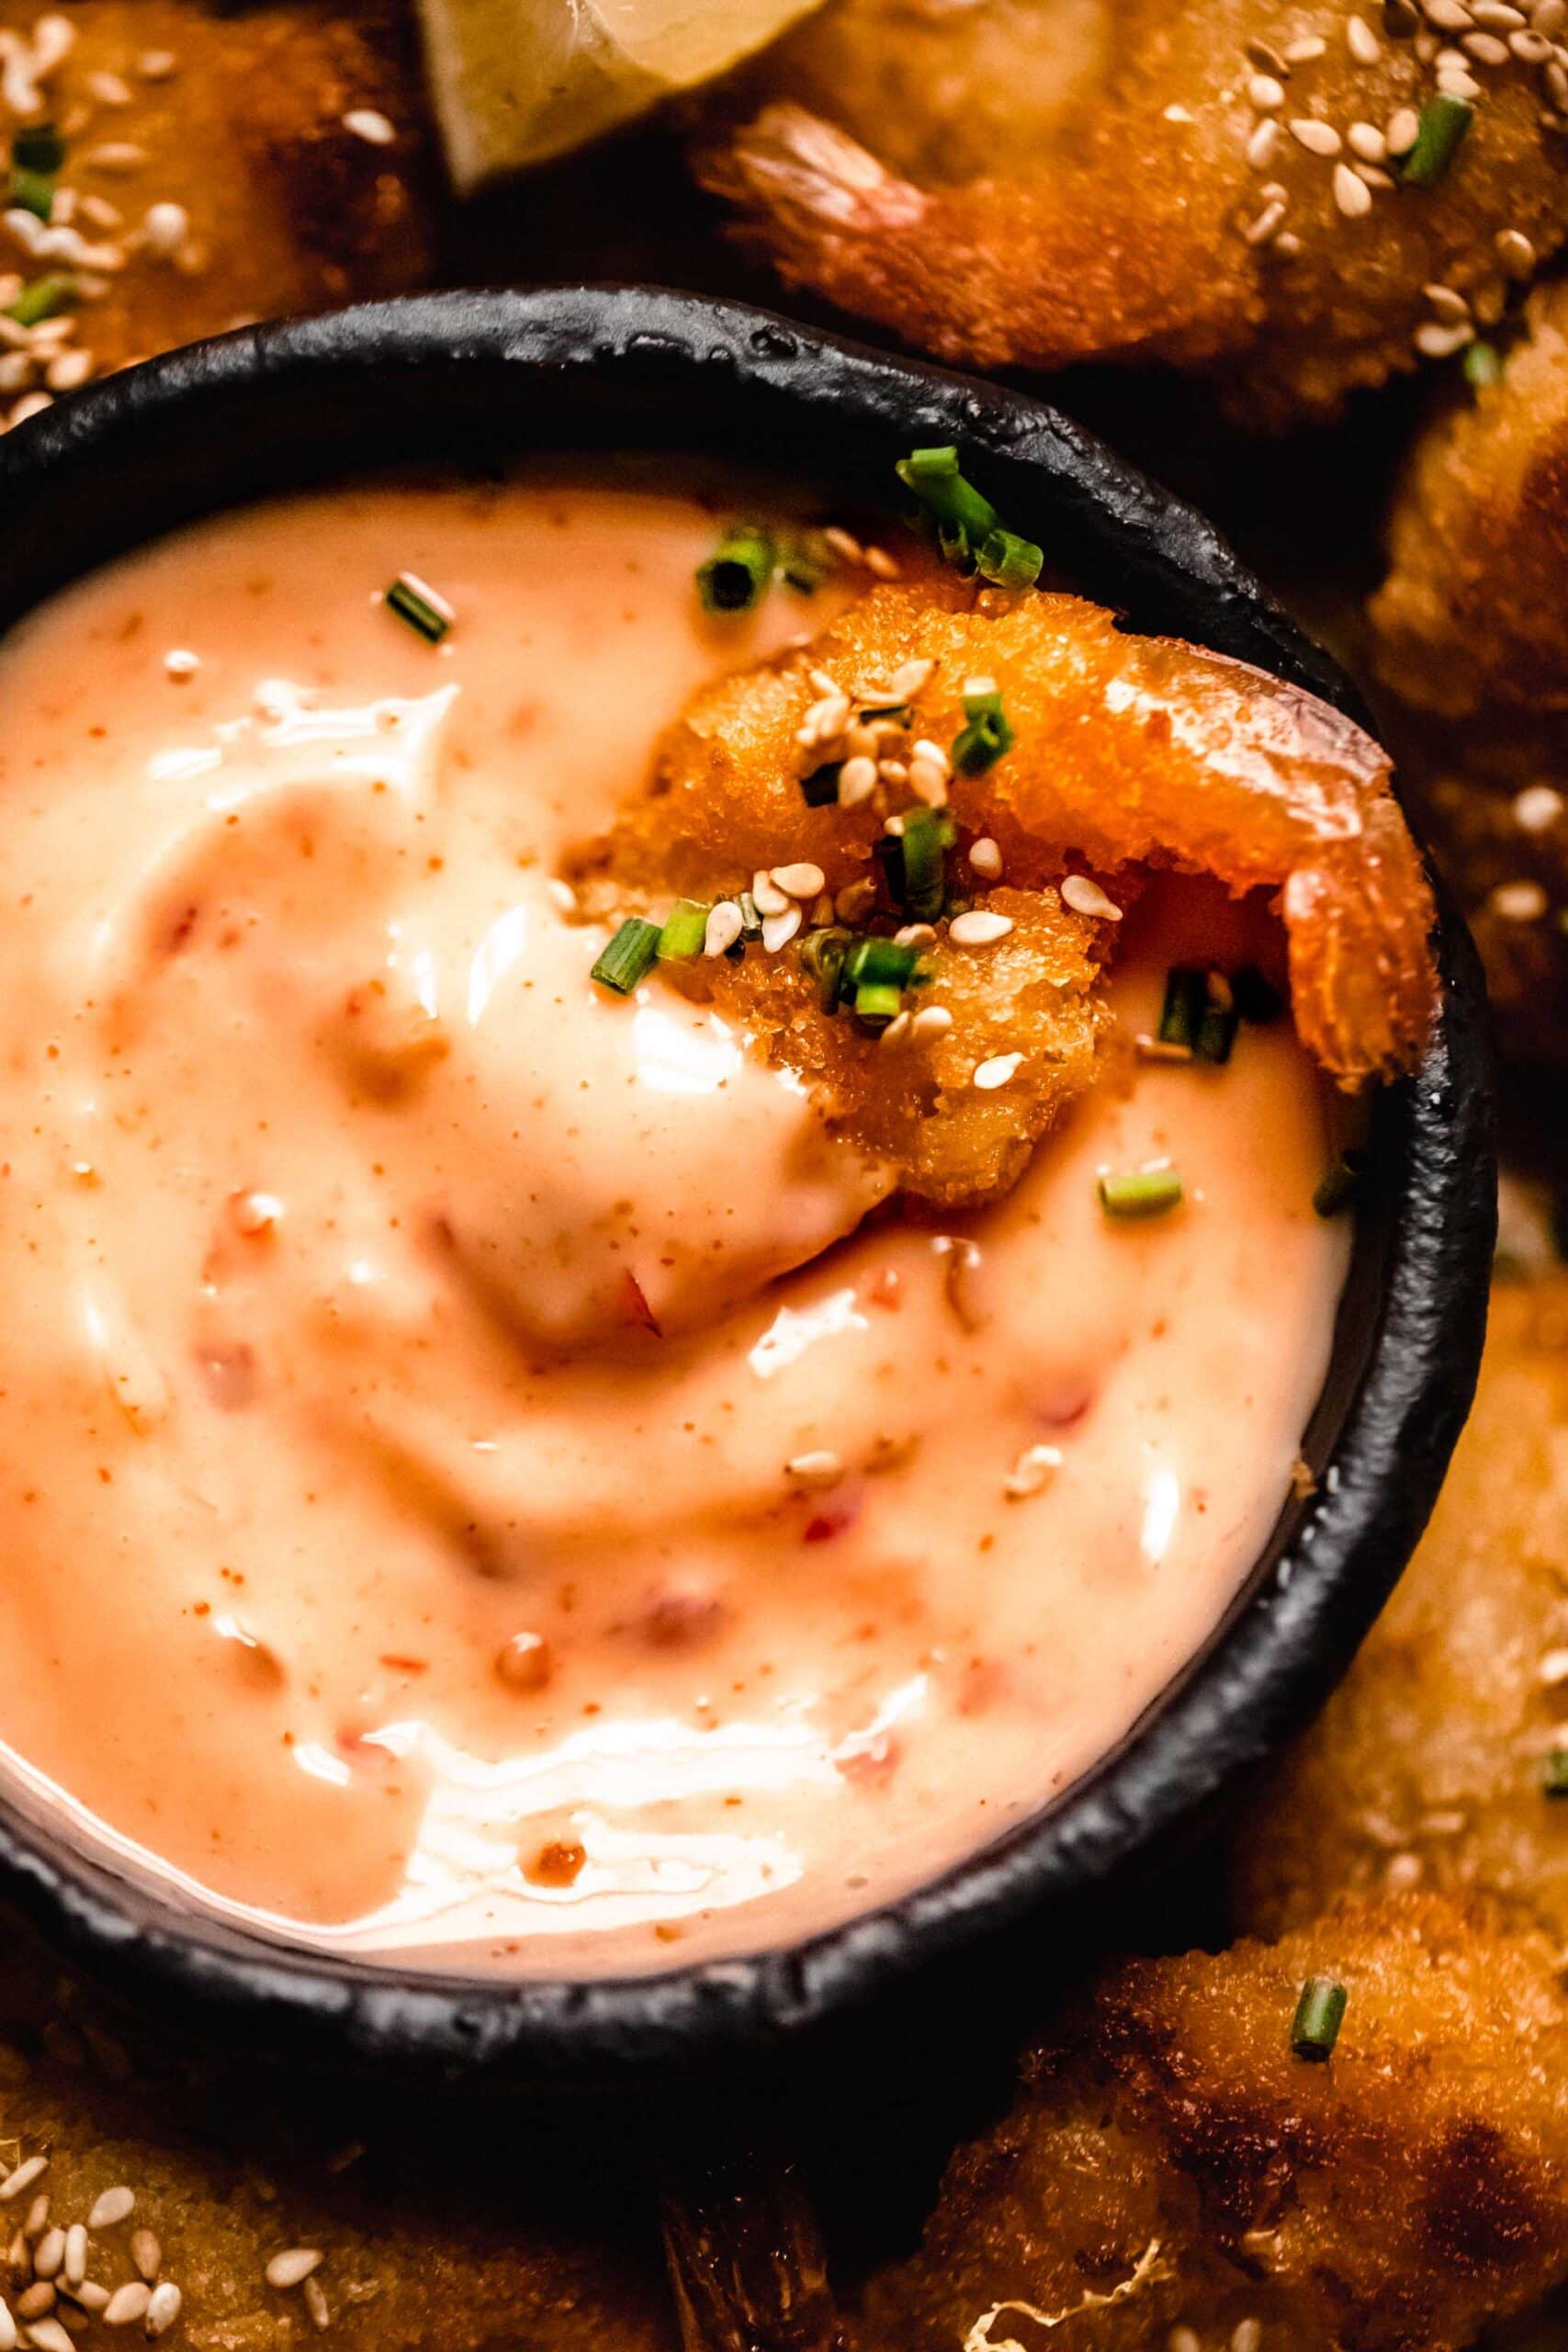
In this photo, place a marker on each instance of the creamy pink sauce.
(325, 1167)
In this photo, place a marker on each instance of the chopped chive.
(878, 962)
(41, 299)
(1258, 1001)
(1145, 1192)
(737, 570)
(1335, 1193)
(1186, 995)
(1554, 1772)
(822, 954)
(684, 931)
(629, 957)
(1320, 2012)
(1482, 365)
(37, 147)
(980, 744)
(964, 519)
(1443, 124)
(927, 837)
(1217, 1030)
(802, 569)
(31, 192)
(877, 1000)
(414, 601)
(1008, 562)
(820, 788)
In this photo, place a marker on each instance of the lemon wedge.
(516, 82)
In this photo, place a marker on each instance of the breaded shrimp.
(1216, 184)
(1127, 753)
(1171, 2161)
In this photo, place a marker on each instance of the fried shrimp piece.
(1472, 615)
(1429, 1763)
(1171, 2161)
(1207, 183)
(1126, 752)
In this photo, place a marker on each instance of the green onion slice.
(685, 930)
(629, 957)
(42, 298)
(928, 835)
(880, 962)
(964, 519)
(1186, 996)
(31, 192)
(1008, 562)
(877, 1000)
(1482, 365)
(1145, 1192)
(1443, 125)
(37, 147)
(414, 601)
(1320, 2013)
(820, 788)
(980, 744)
(737, 570)
(822, 956)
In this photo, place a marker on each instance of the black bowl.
(474, 379)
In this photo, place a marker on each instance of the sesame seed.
(1183, 2339)
(779, 930)
(48, 2254)
(157, 65)
(146, 2253)
(116, 156)
(932, 1020)
(1403, 1872)
(989, 1075)
(1404, 129)
(16, 2183)
(1447, 15)
(1455, 84)
(7, 2327)
(819, 1468)
(980, 927)
(1365, 140)
(1550, 16)
(317, 2305)
(769, 899)
(915, 934)
(881, 566)
(857, 781)
(369, 124)
(1161, 1049)
(843, 543)
(724, 927)
(294, 2266)
(31, 404)
(1530, 48)
(1317, 138)
(856, 899)
(928, 782)
(38, 2218)
(1266, 93)
(1522, 902)
(1246, 2335)
(1537, 807)
(1287, 243)
(1086, 897)
(801, 881)
(1267, 57)
(165, 227)
(1351, 194)
(896, 1030)
(1448, 304)
(48, 2336)
(1259, 231)
(128, 2303)
(75, 2263)
(1034, 1468)
(1365, 46)
(1552, 1670)
(1486, 48)
(163, 2307)
(91, 2296)
(1264, 145)
(108, 88)
(1498, 14)
(1515, 253)
(1435, 341)
(912, 677)
(986, 858)
(35, 2301)
(68, 369)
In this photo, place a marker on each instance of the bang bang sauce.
(484, 1473)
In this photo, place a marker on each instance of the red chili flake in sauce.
(831, 1518)
(636, 1306)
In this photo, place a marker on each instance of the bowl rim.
(635, 353)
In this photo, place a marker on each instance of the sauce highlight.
(418, 1368)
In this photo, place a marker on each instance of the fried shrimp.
(1116, 754)
(1172, 2163)
(1203, 184)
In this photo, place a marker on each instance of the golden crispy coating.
(435, 2238)
(1128, 752)
(1107, 189)
(1397, 2197)
(1428, 1763)
(1472, 612)
(236, 119)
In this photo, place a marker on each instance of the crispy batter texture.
(438, 2237)
(1397, 2197)
(1471, 614)
(1129, 752)
(288, 210)
(1428, 1761)
(1094, 200)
